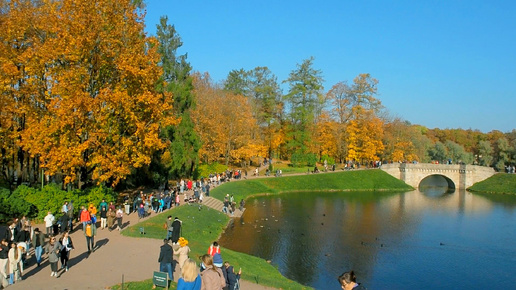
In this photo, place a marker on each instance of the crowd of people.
(212, 273)
(20, 241)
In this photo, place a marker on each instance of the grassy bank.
(501, 183)
(359, 180)
(201, 227)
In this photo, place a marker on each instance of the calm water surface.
(413, 240)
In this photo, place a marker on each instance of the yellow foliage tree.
(88, 75)
(225, 124)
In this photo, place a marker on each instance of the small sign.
(160, 279)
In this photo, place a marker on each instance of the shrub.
(205, 169)
(36, 203)
(13, 206)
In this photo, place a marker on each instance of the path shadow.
(101, 243)
(77, 259)
(33, 268)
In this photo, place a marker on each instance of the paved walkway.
(117, 257)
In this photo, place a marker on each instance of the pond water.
(413, 240)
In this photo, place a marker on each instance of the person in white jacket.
(49, 222)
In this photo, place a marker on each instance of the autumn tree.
(260, 85)
(225, 123)
(325, 137)
(305, 101)
(86, 75)
(405, 142)
(357, 110)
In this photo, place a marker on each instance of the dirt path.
(116, 256)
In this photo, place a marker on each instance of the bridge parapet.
(462, 176)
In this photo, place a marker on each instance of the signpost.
(160, 279)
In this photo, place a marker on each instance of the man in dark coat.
(176, 229)
(165, 259)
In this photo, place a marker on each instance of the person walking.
(4, 260)
(119, 216)
(90, 232)
(15, 256)
(49, 222)
(183, 250)
(232, 278)
(176, 229)
(66, 247)
(84, 217)
(110, 218)
(70, 216)
(53, 249)
(103, 217)
(212, 277)
(38, 242)
(165, 259)
(168, 225)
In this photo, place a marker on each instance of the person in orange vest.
(214, 249)
(92, 209)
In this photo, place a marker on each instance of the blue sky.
(440, 64)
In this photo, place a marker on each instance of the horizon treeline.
(86, 97)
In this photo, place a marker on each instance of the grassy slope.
(203, 227)
(360, 180)
(501, 183)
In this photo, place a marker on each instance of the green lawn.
(501, 183)
(358, 180)
(202, 227)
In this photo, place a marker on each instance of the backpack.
(88, 230)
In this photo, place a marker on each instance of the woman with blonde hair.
(14, 256)
(212, 277)
(182, 251)
(190, 277)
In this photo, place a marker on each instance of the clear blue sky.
(440, 64)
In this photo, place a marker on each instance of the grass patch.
(201, 228)
(500, 183)
(359, 180)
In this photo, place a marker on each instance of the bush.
(35, 203)
(205, 169)
(11, 206)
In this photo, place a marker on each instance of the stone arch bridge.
(457, 176)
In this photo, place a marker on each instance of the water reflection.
(392, 241)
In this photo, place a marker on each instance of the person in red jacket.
(84, 217)
(214, 249)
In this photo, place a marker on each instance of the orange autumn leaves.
(225, 124)
(78, 88)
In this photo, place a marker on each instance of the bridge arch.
(448, 181)
(462, 176)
